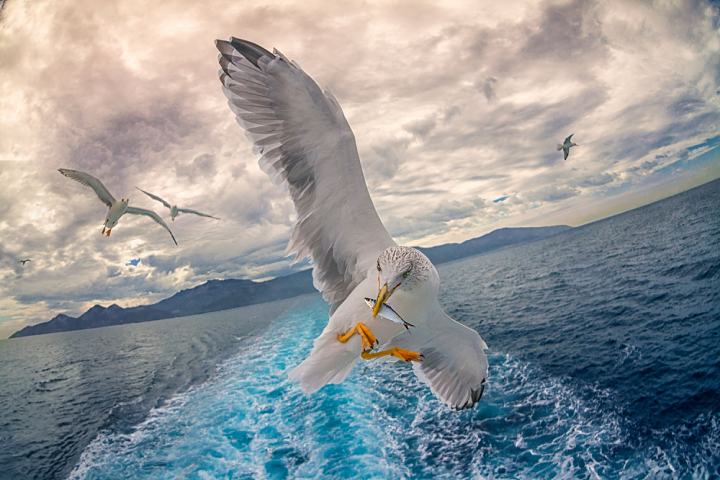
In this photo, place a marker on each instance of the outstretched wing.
(566, 152)
(153, 215)
(567, 140)
(307, 147)
(155, 197)
(92, 182)
(195, 212)
(455, 366)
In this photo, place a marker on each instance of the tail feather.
(329, 362)
(559, 147)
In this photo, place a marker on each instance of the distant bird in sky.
(307, 146)
(565, 147)
(117, 209)
(23, 261)
(174, 210)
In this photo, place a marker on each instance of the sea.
(604, 352)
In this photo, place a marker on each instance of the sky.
(457, 108)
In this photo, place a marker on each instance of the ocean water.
(604, 363)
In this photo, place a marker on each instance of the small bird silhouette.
(565, 147)
(23, 261)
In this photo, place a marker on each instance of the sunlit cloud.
(456, 109)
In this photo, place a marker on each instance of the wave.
(249, 421)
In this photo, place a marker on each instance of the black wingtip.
(252, 51)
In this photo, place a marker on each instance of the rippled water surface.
(604, 363)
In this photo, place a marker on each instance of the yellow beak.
(383, 296)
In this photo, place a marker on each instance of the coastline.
(78, 384)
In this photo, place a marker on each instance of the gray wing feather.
(567, 140)
(153, 215)
(92, 182)
(455, 366)
(155, 197)
(566, 152)
(195, 212)
(308, 149)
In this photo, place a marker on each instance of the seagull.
(307, 148)
(117, 209)
(23, 261)
(565, 147)
(174, 210)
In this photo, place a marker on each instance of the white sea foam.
(250, 421)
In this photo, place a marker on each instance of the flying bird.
(174, 210)
(23, 261)
(307, 148)
(117, 209)
(565, 147)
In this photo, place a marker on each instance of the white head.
(405, 269)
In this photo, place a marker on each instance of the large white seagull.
(307, 147)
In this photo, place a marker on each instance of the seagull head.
(404, 269)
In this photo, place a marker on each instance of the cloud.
(596, 180)
(467, 105)
(488, 89)
(386, 157)
(201, 166)
(422, 127)
(551, 193)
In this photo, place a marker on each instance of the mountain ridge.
(217, 295)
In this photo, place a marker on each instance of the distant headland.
(215, 295)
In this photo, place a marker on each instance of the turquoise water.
(250, 421)
(604, 363)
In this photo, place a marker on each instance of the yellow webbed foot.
(404, 355)
(368, 339)
(108, 233)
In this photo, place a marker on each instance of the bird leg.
(102, 231)
(404, 355)
(108, 233)
(368, 339)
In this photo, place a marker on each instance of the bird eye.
(406, 274)
(378, 266)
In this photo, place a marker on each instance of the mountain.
(215, 295)
(97, 316)
(502, 237)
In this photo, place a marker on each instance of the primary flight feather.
(307, 147)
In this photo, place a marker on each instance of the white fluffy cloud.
(452, 105)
